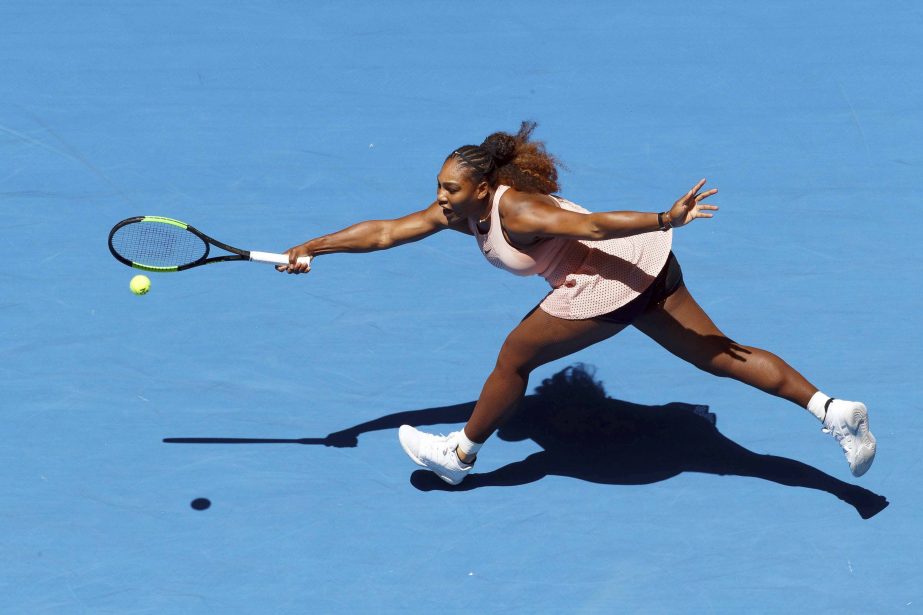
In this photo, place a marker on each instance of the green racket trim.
(182, 225)
(154, 269)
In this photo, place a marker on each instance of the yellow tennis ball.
(140, 284)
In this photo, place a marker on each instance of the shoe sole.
(867, 444)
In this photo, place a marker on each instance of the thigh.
(681, 326)
(541, 338)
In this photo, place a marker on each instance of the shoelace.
(446, 444)
(843, 437)
(448, 449)
(839, 431)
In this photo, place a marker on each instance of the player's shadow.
(589, 436)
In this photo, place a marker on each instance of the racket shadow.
(589, 436)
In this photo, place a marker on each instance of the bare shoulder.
(527, 216)
(513, 200)
(515, 204)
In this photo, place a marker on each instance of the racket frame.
(236, 254)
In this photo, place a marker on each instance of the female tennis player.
(606, 271)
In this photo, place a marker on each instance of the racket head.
(155, 243)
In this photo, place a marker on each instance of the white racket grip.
(276, 259)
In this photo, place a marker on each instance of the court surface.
(278, 397)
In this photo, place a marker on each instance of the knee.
(513, 359)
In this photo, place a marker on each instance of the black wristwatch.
(663, 226)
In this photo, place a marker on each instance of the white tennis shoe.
(848, 421)
(435, 453)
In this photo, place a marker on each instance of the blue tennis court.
(628, 481)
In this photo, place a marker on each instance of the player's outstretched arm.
(525, 214)
(370, 236)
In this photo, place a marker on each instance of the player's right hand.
(293, 265)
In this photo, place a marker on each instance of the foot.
(435, 453)
(848, 421)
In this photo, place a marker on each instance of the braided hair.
(512, 160)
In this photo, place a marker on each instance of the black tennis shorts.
(665, 284)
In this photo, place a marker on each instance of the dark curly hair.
(512, 160)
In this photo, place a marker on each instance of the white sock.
(466, 446)
(818, 405)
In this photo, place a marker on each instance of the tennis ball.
(140, 284)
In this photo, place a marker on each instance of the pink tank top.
(587, 278)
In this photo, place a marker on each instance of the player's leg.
(681, 326)
(540, 338)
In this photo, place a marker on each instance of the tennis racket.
(154, 243)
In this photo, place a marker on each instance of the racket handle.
(276, 259)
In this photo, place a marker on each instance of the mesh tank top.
(587, 278)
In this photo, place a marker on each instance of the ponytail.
(512, 160)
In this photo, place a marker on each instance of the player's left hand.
(690, 206)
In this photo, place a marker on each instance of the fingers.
(706, 194)
(286, 269)
(294, 265)
(703, 207)
(296, 268)
(697, 187)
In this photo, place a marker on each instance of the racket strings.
(157, 244)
